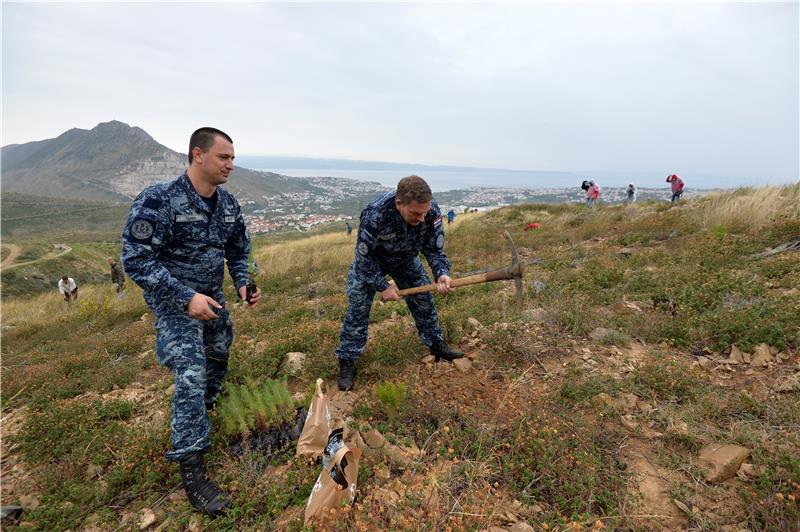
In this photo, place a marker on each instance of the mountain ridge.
(114, 162)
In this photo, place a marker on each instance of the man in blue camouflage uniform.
(394, 229)
(176, 241)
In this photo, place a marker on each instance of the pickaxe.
(500, 274)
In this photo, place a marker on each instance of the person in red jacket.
(677, 187)
(592, 193)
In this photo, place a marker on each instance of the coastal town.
(337, 199)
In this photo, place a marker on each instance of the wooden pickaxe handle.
(500, 274)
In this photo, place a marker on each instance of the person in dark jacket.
(394, 229)
(178, 237)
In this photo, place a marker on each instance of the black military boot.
(202, 493)
(440, 349)
(347, 374)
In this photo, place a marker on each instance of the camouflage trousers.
(197, 354)
(353, 337)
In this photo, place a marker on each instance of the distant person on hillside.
(68, 289)
(677, 187)
(630, 194)
(177, 240)
(592, 194)
(451, 215)
(585, 185)
(349, 227)
(117, 276)
(394, 229)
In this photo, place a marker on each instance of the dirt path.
(8, 263)
(15, 251)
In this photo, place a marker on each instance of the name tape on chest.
(185, 218)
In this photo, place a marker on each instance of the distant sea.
(439, 180)
(442, 178)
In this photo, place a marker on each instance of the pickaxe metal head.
(516, 270)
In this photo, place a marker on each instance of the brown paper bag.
(317, 427)
(335, 489)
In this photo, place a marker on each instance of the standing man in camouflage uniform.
(178, 236)
(394, 229)
(117, 277)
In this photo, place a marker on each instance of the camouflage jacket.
(174, 246)
(387, 244)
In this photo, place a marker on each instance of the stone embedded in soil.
(374, 439)
(474, 323)
(678, 428)
(600, 333)
(147, 519)
(761, 356)
(29, 502)
(476, 355)
(294, 362)
(720, 462)
(737, 356)
(430, 359)
(705, 362)
(602, 399)
(462, 364)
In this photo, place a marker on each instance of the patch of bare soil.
(652, 505)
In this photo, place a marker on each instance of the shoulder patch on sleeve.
(152, 203)
(437, 221)
(440, 241)
(142, 230)
(362, 249)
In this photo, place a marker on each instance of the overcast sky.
(680, 87)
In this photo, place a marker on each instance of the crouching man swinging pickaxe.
(500, 274)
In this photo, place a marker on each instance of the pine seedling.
(391, 396)
(249, 407)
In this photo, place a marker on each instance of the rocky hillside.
(650, 383)
(113, 161)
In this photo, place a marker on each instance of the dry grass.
(316, 252)
(42, 309)
(750, 207)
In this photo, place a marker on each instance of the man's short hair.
(64, 277)
(203, 138)
(413, 188)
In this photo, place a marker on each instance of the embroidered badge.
(229, 219)
(440, 241)
(142, 229)
(437, 222)
(362, 248)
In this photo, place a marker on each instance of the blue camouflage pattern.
(388, 245)
(174, 246)
(196, 352)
